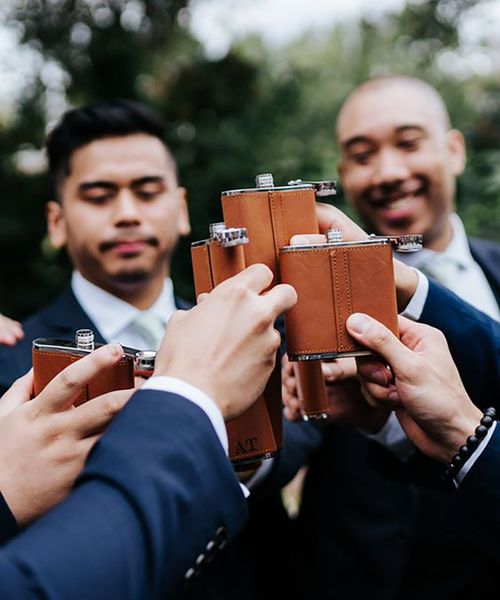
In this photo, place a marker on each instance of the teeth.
(399, 203)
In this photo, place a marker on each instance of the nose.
(390, 168)
(126, 209)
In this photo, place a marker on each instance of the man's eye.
(361, 158)
(97, 198)
(149, 192)
(409, 144)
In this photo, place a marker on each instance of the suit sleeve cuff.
(192, 393)
(474, 456)
(207, 405)
(416, 305)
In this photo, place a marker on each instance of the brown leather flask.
(334, 280)
(50, 356)
(257, 433)
(273, 215)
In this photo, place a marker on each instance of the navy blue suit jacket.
(487, 255)
(157, 497)
(61, 318)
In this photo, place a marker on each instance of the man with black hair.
(118, 211)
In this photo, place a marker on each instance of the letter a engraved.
(248, 445)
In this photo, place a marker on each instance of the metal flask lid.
(323, 189)
(144, 360)
(84, 339)
(228, 237)
(333, 236)
(401, 243)
(264, 180)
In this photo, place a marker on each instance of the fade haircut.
(99, 120)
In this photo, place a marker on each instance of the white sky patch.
(216, 23)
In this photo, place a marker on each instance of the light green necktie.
(151, 328)
(445, 270)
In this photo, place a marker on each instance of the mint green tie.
(151, 328)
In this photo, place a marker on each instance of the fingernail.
(116, 350)
(393, 396)
(300, 239)
(358, 323)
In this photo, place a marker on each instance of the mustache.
(396, 189)
(109, 244)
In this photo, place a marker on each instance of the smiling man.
(118, 211)
(399, 162)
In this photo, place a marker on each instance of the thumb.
(377, 337)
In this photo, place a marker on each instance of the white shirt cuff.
(195, 395)
(392, 437)
(416, 305)
(474, 456)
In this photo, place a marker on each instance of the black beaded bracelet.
(465, 452)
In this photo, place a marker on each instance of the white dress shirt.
(114, 317)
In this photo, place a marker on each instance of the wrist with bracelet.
(452, 469)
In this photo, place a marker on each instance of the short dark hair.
(81, 126)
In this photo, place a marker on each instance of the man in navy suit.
(438, 416)
(158, 497)
(382, 535)
(118, 211)
(364, 512)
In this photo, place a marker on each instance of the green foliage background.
(255, 110)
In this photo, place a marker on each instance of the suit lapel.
(66, 315)
(487, 256)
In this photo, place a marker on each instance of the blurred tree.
(255, 110)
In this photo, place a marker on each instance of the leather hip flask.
(332, 281)
(257, 433)
(273, 215)
(50, 356)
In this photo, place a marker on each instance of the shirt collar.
(457, 250)
(109, 313)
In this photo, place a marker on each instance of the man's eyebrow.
(404, 128)
(357, 139)
(90, 185)
(147, 179)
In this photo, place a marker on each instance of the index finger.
(256, 277)
(63, 390)
(280, 299)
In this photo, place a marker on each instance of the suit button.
(189, 574)
(200, 560)
(210, 551)
(220, 537)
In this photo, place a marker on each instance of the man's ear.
(56, 224)
(183, 224)
(456, 148)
